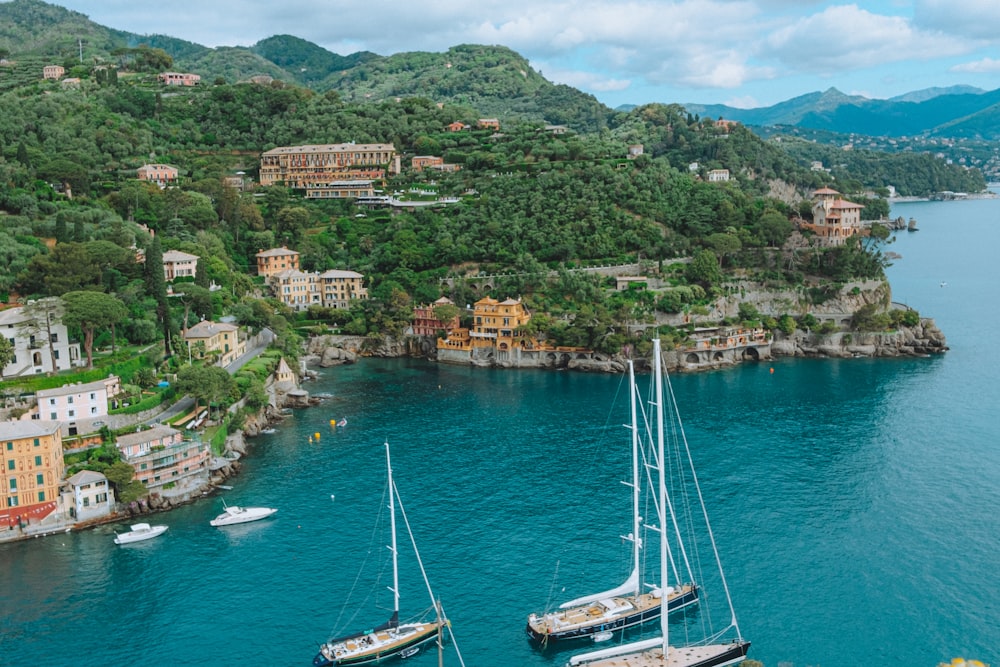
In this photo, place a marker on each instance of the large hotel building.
(318, 166)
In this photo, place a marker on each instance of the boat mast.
(658, 391)
(392, 524)
(636, 519)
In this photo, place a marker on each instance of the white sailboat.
(392, 638)
(624, 606)
(712, 651)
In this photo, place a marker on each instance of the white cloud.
(583, 80)
(969, 19)
(846, 37)
(984, 66)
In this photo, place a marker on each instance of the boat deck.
(711, 655)
(602, 611)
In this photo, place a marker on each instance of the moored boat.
(714, 649)
(392, 638)
(627, 605)
(236, 514)
(139, 532)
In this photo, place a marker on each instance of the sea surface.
(855, 503)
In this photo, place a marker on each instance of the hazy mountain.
(493, 80)
(930, 93)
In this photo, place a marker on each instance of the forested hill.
(492, 79)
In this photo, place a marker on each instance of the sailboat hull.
(383, 646)
(542, 629)
(707, 655)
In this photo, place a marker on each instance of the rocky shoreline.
(922, 340)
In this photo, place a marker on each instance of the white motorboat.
(236, 514)
(139, 532)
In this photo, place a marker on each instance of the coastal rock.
(336, 356)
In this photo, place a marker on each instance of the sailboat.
(712, 651)
(392, 638)
(625, 606)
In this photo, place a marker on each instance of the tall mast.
(392, 524)
(658, 389)
(636, 519)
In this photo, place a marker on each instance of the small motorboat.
(603, 636)
(236, 514)
(139, 532)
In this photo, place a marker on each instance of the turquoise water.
(854, 502)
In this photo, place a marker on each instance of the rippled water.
(855, 504)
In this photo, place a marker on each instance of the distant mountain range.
(493, 80)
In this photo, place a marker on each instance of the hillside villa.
(834, 219)
(31, 347)
(219, 339)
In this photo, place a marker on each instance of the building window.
(92, 396)
(10, 446)
(93, 410)
(40, 478)
(38, 460)
(12, 501)
(86, 502)
(53, 416)
(11, 464)
(52, 401)
(37, 443)
(41, 496)
(69, 399)
(13, 484)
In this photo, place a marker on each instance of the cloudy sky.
(745, 53)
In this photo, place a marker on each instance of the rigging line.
(704, 510)
(413, 543)
(451, 633)
(552, 588)
(340, 624)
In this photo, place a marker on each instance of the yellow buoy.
(333, 422)
(316, 435)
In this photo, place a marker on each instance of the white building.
(77, 406)
(31, 347)
(89, 496)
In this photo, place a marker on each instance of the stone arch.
(846, 322)
(751, 353)
(718, 356)
(692, 358)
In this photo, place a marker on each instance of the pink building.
(161, 456)
(179, 78)
(161, 174)
(53, 72)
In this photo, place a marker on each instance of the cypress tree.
(156, 287)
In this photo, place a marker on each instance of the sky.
(744, 53)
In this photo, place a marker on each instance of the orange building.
(33, 469)
(276, 260)
(318, 165)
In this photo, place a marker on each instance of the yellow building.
(338, 288)
(316, 166)
(219, 338)
(494, 325)
(33, 469)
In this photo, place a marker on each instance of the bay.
(854, 503)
